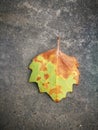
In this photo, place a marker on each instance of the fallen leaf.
(55, 73)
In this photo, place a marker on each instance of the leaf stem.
(58, 44)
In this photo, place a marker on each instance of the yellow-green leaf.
(55, 73)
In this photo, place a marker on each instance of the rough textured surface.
(28, 27)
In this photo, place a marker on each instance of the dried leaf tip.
(58, 44)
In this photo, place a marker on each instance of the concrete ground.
(29, 27)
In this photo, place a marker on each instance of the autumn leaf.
(55, 73)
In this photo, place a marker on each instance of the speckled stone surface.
(29, 27)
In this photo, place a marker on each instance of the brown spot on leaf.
(56, 90)
(43, 67)
(57, 100)
(47, 55)
(37, 60)
(38, 78)
(46, 76)
(46, 85)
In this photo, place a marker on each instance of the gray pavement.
(29, 27)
